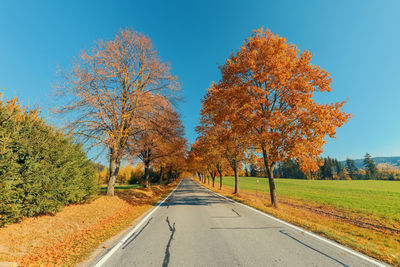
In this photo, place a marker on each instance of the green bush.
(40, 169)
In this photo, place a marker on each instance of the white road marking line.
(369, 259)
(126, 237)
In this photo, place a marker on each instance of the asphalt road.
(195, 227)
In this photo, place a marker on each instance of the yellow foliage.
(138, 172)
(125, 174)
(102, 177)
(242, 172)
(389, 172)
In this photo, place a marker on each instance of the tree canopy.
(265, 96)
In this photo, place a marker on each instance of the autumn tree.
(229, 142)
(175, 164)
(162, 135)
(255, 164)
(233, 150)
(212, 154)
(102, 176)
(199, 152)
(194, 161)
(267, 90)
(109, 90)
(198, 159)
(125, 174)
(388, 172)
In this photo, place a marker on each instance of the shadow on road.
(245, 228)
(316, 250)
(192, 195)
(134, 235)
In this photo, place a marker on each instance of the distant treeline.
(332, 169)
(135, 174)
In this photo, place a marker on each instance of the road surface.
(195, 227)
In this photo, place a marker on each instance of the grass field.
(380, 198)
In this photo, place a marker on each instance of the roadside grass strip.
(70, 236)
(105, 257)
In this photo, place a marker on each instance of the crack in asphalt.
(172, 229)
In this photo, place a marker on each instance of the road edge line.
(331, 242)
(106, 256)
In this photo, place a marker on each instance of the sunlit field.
(380, 198)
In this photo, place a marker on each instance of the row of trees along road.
(119, 95)
(264, 103)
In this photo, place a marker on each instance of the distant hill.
(394, 161)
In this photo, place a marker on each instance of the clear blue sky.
(358, 42)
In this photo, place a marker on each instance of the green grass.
(122, 187)
(381, 198)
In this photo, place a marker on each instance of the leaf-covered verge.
(41, 169)
(362, 232)
(68, 237)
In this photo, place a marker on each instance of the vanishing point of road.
(196, 227)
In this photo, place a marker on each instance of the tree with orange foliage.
(175, 164)
(161, 136)
(109, 91)
(215, 123)
(233, 146)
(266, 92)
(194, 161)
(220, 143)
(213, 159)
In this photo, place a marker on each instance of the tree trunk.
(161, 174)
(169, 175)
(146, 174)
(220, 180)
(270, 172)
(213, 180)
(272, 190)
(236, 181)
(114, 168)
